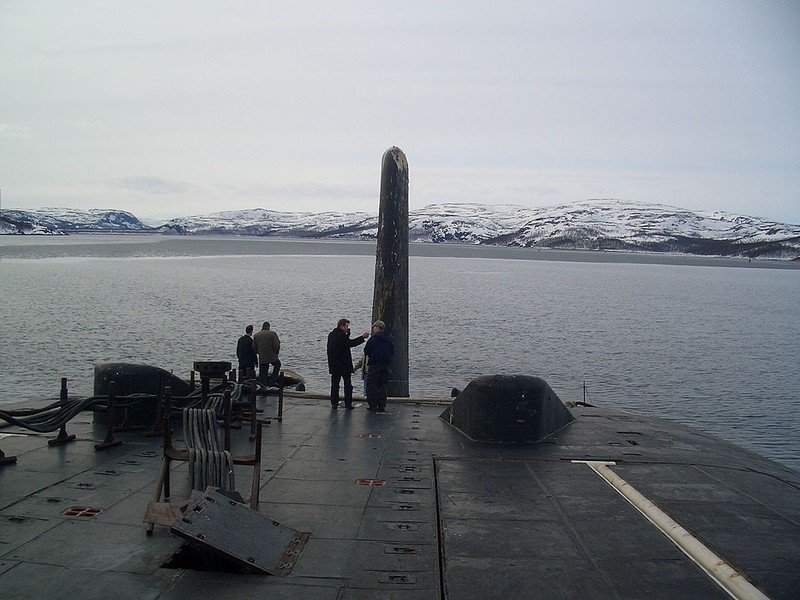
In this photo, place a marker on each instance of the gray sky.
(175, 108)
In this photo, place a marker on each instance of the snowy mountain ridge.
(590, 225)
(67, 220)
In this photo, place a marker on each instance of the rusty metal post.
(157, 423)
(127, 390)
(205, 386)
(167, 410)
(390, 296)
(256, 485)
(280, 397)
(62, 437)
(226, 404)
(110, 442)
(253, 408)
(163, 476)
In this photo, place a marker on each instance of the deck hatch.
(257, 542)
(404, 506)
(82, 511)
(82, 485)
(109, 472)
(395, 577)
(402, 526)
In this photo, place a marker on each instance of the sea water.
(706, 342)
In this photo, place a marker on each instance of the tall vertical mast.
(390, 299)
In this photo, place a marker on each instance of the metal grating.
(82, 511)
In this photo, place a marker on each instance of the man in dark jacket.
(340, 362)
(379, 351)
(246, 355)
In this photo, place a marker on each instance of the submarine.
(505, 491)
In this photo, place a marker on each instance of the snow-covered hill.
(67, 220)
(608, 224)
(591, 225)
(263, 222)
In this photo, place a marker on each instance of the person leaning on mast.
(247, 355)
(340, 362)
(267, 345)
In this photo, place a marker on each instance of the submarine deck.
(445, 517)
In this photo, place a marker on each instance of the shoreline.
(100, 245)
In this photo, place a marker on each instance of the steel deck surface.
(403, 506)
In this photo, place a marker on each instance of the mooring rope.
(53, 416)
(208, 465)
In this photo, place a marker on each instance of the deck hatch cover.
(82, 511)
(243, 535)
(400, 549)
(81, 485)
(396, 577)
(402, 526)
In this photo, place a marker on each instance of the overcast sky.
(168, 108)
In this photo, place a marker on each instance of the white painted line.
(728, 578)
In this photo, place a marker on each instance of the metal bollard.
(62, 437)
(110, 442)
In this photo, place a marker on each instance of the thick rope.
(208, 465)
(53, 416)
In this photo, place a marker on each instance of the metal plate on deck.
(235, 530)
(164, 513)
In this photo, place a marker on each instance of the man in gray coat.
(267, 345)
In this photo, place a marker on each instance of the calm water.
(699, 342)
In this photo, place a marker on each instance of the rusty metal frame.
(171, 453)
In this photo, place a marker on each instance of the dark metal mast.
(390, 299)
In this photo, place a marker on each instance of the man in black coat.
(246, 355)
(340, 362)
(379, 351)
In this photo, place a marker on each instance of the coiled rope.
(208, 464)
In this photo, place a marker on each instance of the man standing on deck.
(247, 355)
(379, 351)
(267, 346)
(340, 362)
